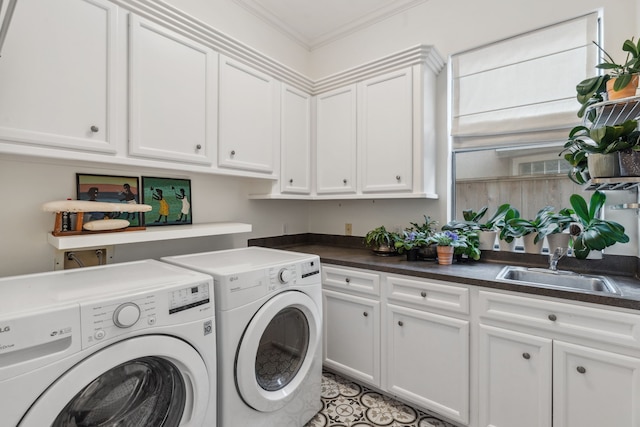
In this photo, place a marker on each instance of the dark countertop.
(477, 273)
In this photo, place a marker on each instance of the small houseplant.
(506, 233)
(410, 241)
(584, 145)
(472, 221)
(381, 241)
(619, 80)
(450, 242)
(592, 233)
(531, 230)
(557, 224)
(427, 228)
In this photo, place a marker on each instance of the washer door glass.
(277, 350)
(143, 392)
(282, 349)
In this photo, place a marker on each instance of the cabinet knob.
(400, 323)
(94, 128)
(344, 181)
(347, 280)
(423, 294)
(291, 181)
(365, 314)
(581, 369)
(398, 178)
(553, 317)
(526, 356)
(198, 147)
(233, 152)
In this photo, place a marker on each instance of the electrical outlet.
(348, 229)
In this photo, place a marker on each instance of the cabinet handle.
(423, 294)
(347, 280)
(581, 369)
(233, 152)
(398, 178)
(400, 323)
(198, 147)
(526, 356)
(365, 314)
(94, 128)
(553, 317)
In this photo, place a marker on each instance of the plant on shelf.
(584, 142)
(409, 240)
(531, 230)
(617, 77)
(380, 241)
(556, 225)
(472, 219)
(506, 233)
(450, 243)
(592, 233)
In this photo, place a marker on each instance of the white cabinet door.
(352, 336)
(515, 379)
(385, 136)
(428, 360)
(249, 118)
(594, 388)
(57, 75)
(295, 175)
(336, 141)
(172, 95)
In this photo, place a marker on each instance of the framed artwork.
(170, 201)
(112, 189)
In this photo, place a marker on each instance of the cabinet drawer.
(607, 326)
(350, 280)
(426, 293)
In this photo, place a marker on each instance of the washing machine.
(269, 321)
(130, 344)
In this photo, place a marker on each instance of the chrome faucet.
(554, 257)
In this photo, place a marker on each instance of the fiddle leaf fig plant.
(593, 233)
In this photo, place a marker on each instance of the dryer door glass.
(148, 391)
(282, 349)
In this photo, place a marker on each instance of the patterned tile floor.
(348, 404)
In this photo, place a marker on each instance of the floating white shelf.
(151, 234)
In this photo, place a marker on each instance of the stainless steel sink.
(558, 279)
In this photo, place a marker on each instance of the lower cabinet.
(352, 336)
(535, 377)
(428, 360)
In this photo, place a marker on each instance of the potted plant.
(410, 241)
(592, 233)
(380, 241)
(587, 150)
(556, 225)
(530, 229)
(427, 228)
(619, 81)
(506, 233)
(486, 231)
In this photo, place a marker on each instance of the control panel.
(114, 317)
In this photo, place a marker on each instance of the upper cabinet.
(295, 141)
(249, 127)
(336, 141)
(57, 76)
(173, 95)
(386, 132)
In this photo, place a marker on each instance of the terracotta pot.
(445, 255)
(487, 240)
(529, 246)
(625, 92)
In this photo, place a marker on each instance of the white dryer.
(269, 320)
(129, 344)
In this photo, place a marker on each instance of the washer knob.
(285, 276)
(126, 315)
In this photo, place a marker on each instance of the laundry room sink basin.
(558, 279)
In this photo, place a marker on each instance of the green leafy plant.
(472, 219)
(593, 233)
(583, 141)
(591, 90)
(507, 232)
(557, 222)
(463, 242)
(428, 227)
(521, 226)
(379, 237)
(410, 239)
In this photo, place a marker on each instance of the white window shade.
(522, 90)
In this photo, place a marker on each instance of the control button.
(151, 320)
(126, 315)
(99, 334)
(285, 275)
